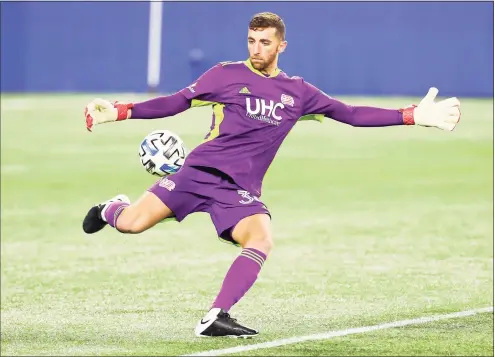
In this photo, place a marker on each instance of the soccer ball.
(162, 153)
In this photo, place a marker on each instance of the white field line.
(332, 334)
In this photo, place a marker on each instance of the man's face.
(264, 45)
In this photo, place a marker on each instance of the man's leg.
(254, 235)
(170, 196)
(120, 214)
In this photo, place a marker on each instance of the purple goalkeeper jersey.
(253, 113)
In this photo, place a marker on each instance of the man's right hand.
(101, 111)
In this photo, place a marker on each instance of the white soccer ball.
(162, 153)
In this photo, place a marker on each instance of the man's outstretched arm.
(160, 107)
(204, 90)
(444, 114)
(101, 111)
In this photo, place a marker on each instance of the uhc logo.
(259, 109)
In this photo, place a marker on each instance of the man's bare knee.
(262, 242)
(143, 214)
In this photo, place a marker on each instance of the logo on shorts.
(167, 183)
(247, 198)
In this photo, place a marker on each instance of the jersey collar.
(250, 66)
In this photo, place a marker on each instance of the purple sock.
(240, 277)
(113, 212)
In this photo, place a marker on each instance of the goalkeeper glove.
(101, 111)
(444, 114)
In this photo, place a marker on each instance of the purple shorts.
(202, 189)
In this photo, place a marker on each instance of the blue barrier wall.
(387, 48)
(74, 46)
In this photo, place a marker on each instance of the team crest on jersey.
(287, 100)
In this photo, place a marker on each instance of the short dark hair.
(264, 20)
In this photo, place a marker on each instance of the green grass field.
(371, 225)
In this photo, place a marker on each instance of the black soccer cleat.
(94, 222)
(218, 323)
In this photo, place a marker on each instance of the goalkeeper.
(255, 105)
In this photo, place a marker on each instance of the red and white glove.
(101, 111)
(443, 115)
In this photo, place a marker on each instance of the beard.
(261, 64)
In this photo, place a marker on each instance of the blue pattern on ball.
(147, 148)
(171, 169)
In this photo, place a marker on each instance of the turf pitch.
(371, 225)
